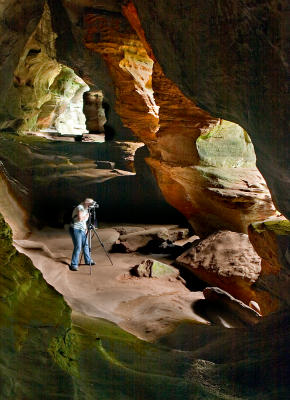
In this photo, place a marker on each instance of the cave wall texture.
(154, 55)
(44, 94)
(232, 58)
(220, 61)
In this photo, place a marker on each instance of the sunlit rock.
(45, 94)
(232, 58)
(183, 140)
(130, 68)
(94, 111)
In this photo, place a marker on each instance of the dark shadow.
(193, 283)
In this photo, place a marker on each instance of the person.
(78, 232)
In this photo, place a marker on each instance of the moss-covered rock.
(155, 269)
(226, 145)
(271, 240)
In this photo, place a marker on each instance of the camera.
(93, 205)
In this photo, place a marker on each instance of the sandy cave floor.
(145, 307)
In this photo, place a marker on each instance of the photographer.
(78, 230)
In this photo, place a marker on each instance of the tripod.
(89, 235)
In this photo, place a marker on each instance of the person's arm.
(82, 215)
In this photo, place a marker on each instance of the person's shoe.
(92, 263)
(73, 268)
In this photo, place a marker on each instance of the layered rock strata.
(193, 176)
(233, 59)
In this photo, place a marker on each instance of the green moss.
(277, 226)
(155, 269)
(63, 351)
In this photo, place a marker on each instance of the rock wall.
(231, 57)
(18, 20)
(223, 189)
(33, 318)
(68, 24)
(44, 94)
(270, 239)
(213, 190)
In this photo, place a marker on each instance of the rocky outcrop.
(228, 260)
(194, 177)
(232, 59)
(270, 239)
(45, 94)
(94, 111)
(157, 239)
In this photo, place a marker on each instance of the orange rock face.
(211, 196)
(130, 68)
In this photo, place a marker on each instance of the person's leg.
(76, 235)
(86, 249)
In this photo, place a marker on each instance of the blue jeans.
(80, 243)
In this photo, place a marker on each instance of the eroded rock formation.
(232, 58)
(44, 94)
(213, 191)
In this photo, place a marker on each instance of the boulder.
(233, 311)
(155, 269)
(228, 260)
